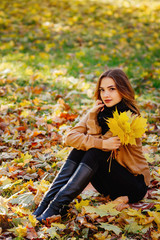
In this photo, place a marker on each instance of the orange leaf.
(36, 90)
(36, 133)
(21, 128)
(40, 172)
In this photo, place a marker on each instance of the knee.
(76, 155)
(95, 151)
(137, 195)
(94, 154)
(98, 154)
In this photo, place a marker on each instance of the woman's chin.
(109, 104)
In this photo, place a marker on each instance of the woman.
(128, 176)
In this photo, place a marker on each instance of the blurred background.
(59, 46)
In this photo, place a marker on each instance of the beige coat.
(87, 134)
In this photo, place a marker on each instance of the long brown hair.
(123, 86)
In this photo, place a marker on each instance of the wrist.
(104, 145)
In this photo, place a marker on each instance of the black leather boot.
(68, 192)
(61, 179)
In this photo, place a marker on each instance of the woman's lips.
(107, 101)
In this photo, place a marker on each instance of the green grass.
(82, 37)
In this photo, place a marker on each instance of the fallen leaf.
(110, 227)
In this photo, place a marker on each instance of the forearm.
(83, 141)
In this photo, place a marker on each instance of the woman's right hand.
(99, 106)
(112, 143)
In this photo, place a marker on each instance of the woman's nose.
(106, 94)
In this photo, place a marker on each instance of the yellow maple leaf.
(109, 208)
(138, 126)
(140, 217)
(21, 231)
(30, 182)
(33, 220)
(59, 225)
(43, 186)
(25, 113)
(114, 128)
(26, 157)
(126, 126)
(101, 236)
(82, 203)
(21, 211)
(36, 101)
(116, 115)
(25, 103)
(156, 216)
(145, 221)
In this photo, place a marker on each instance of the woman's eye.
(112, 89)
(101, 90)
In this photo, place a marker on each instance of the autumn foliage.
(52, 53)
(127, 127)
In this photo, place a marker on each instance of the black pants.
(116, 182)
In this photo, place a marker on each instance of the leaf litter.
(39, 103)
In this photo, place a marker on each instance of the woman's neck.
(121, 107)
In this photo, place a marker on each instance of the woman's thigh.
(95, 158)
(90, 157)
(76, 155)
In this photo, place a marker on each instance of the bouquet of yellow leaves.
(127, 127)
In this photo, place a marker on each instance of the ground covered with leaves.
(52, 53)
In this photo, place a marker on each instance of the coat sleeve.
(84, 135)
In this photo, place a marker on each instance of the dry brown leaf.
(92, 216)
(121, 206)
(31, 233)
(155, 234)
(145, 221)
(101, 235)
(52, 219)
(90, 225)
(111, 219)
(38, 197)
(82, 220)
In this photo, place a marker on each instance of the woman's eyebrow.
(108, 86)
(111, 86)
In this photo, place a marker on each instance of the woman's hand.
(112, 143)
(99, 106)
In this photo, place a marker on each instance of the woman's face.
(108, 92)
